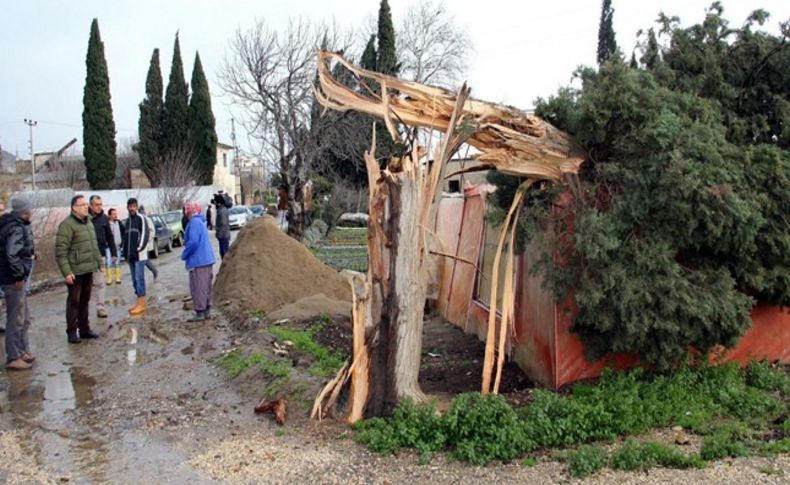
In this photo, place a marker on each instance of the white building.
(225, 173)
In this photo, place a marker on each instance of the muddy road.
(145, 404)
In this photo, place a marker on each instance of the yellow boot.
(139, 308)
(118, 275)
(109, 276)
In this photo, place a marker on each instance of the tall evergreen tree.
(633, 64)
(651, 57)
(606, 43)
(202, 132)
(98, 127)
(149, 126)
(368, 60)
(175, 112)
(387, 59)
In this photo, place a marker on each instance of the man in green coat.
(78, 257)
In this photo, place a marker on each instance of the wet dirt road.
(130, 407)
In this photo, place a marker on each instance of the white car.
(239, 216)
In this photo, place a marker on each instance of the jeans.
(108, 259)
(137, 271)
(17, 323)
(224, 244)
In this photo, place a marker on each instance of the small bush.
(484, 428)
(411, 426)
(762, 375)
(722, 445)
(644, 456)
(586, 460)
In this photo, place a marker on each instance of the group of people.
(89, 247)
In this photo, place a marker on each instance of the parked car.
(163, 237)
(257, 211)
(173, 221)
(239, 216)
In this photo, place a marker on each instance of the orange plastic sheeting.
(769, 337)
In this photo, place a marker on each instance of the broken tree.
(389, 304)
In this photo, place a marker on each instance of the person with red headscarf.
(199, 259)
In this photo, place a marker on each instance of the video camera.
(222, 199)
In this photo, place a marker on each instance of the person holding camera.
(222, 203)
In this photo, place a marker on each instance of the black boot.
(88, 334)
(73, 338)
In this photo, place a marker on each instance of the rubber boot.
(139, 308)
(109, 276)
(118, 275)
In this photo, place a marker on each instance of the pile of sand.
(268, 271)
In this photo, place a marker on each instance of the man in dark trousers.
(106, 243)
(16, 262)
(136, 234)
(78, 257)
(222, 224)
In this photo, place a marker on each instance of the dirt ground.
(146, 404)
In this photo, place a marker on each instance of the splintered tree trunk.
(398, 288)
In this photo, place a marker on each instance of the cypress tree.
(606, 43)
(368, 60)
(175, 112)
(98, 127)
(387, 60)
(651, 57)
(202, 133)
(149, 126)
(633, 64)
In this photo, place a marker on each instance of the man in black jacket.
(107, 248)
(16, 260)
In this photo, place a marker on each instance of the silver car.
(239, 216)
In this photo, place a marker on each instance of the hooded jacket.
(76, 250)
(197, 247)
(16, 249)
(104, 236)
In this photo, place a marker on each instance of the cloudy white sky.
(523, 48)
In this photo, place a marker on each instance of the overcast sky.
(523, 48)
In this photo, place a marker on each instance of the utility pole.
(236, 160)
(30, 124)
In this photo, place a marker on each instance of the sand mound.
(267, 270)
(312, 306)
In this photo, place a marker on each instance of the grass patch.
(586, 460)
(723, 402)
(326, 363)
(234, 363)
(347, 236)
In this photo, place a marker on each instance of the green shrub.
(644, 456)
(484, 428)
(762, 375)
(713, 401)
(586, 460)
(722, 445)
(411, 426)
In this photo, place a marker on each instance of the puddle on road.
(131, 354)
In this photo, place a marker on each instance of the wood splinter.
(276, 407)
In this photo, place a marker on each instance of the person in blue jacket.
(199, 258)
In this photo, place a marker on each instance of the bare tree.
(270, 74)
(432, 49)
(127, 160)
(177, 178)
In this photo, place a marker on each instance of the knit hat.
(192, 208)
(21, 204)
